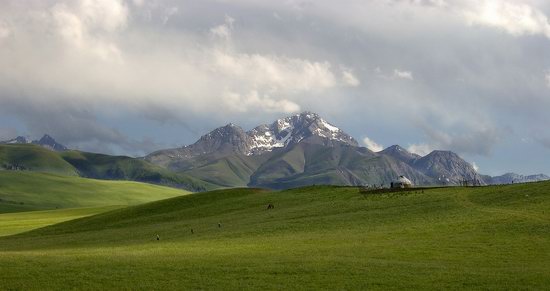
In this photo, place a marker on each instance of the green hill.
(34, 158)
(228, 171)
(17, 222)
(29, 157)
(25, 190)
(322, 237)
(100, 166)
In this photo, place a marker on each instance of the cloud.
(396, 74)
(399, 74)
(7, 133)
(168, 13)
(476, 141)
(252, 101)
(350, 79)
(372, 145)
(516, 17)
(511, 16)
(223, 30)
(543, 140)
(104, 57)
(475, 166)
(4, 30)
(275, 73)
(420, 149)
(547, 78)
(178, 74)
(85, 25)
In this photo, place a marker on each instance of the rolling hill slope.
(34, 158)
(319, 237)
(25, 191)
(30, 157)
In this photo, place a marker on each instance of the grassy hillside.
(17, 222)
(101, 166)
(24, 191)
(228, 171)
(316, 238)
(34, 158)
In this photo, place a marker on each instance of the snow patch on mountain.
(293, 129)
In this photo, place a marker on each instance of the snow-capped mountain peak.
(293, 129)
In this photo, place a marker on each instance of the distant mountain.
(401, 154)
(46, 141)
(510, 178)
(305, 149)
(50, 143)
(445, 167)
(299, 150)
(232, 139)
(292, 130)
(341, 164)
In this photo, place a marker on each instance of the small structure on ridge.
(401, 182)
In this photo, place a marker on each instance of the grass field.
(25, 191)
(13, 223)
(316, 238)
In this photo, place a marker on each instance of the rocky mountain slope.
(46, 141)
(445, 167)
(305, 149)
(510, 178)
(232, 139)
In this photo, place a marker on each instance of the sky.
(133, 76)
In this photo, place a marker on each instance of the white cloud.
(174, 71)
(253, 101)
(224, 30)
(399, 74)
(476, 168)
(350, 79)
(276, 73)
(511, 16)
(547, 78)
(421, 149)
(169, 12)
(396, 74)
(4, 30)
(516, 17)
(372, 145)
(84, 25)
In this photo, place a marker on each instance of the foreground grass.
(315, 238)
(26, 191)
(13, 223)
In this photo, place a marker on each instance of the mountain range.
(46, 141)
(305, 149)
(299, 150)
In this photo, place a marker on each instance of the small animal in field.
(158, 237)
(192, 232)
(270, 206)
(219, 225)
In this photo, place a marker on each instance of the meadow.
(26, 191)
(318, 237)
